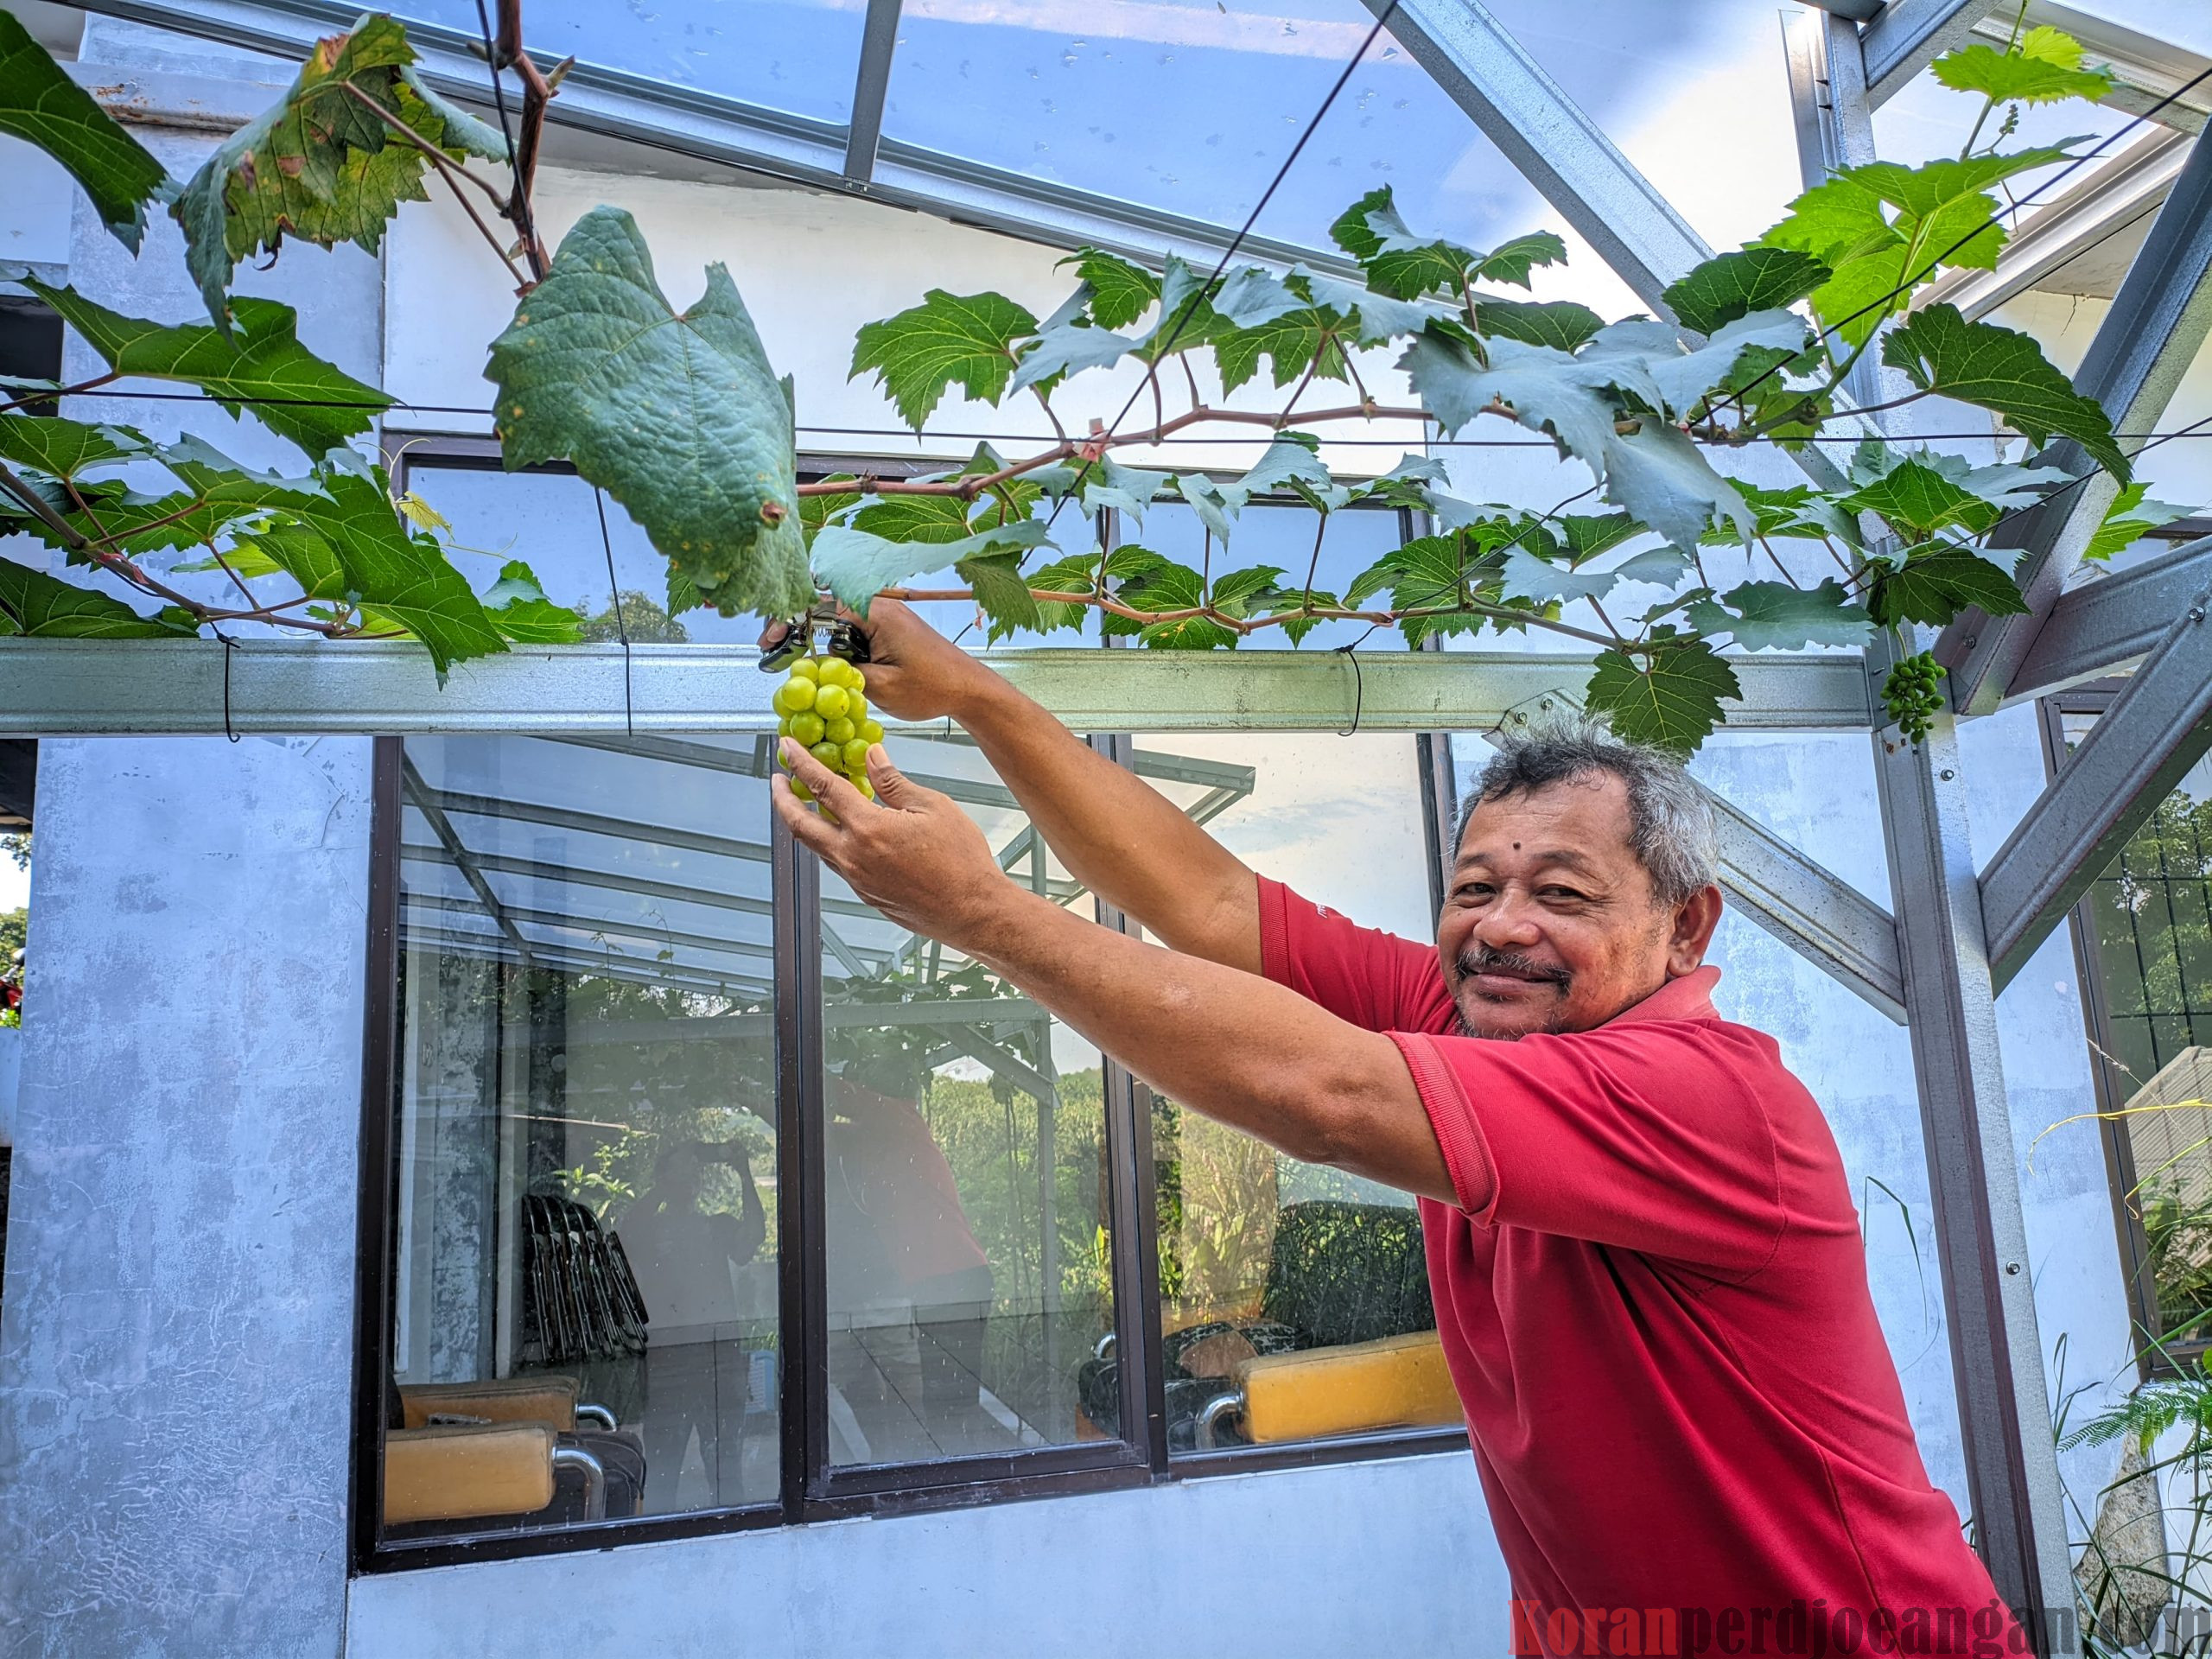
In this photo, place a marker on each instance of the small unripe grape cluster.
(824, 704)
(1913, 694)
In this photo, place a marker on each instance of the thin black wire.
(230, 649)
(1190, 309)
(1256, 437)
(621, 628)
(1350, 654)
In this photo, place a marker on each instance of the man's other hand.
(911, 853)
(914, 672)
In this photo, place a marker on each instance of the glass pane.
(800, 56)
(1261, 1254)
(585, 1136)
(551, 522)
(966, 1214)
(1656, 77)
(1189, 106)
(1284, 537)
(2153, 959)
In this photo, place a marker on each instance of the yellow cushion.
(505, 1400)
(455, 1474)
(1398, 1382)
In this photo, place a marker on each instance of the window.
(1266, 1263)
(703, 1195)
(2145, 935)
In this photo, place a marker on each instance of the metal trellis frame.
(2157, 323)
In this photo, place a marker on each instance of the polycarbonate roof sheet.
(799, 56)
(1191, 107)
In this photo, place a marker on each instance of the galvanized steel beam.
(1827, 92)
(2146, 342)
(1822, 917)
(871, 84)
(1908, 35)
(1549, 140)
(92, 688)
(2155, 730)
(660, 116)
(2108, 625)
(2020, 1512)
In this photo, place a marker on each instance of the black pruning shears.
(844, 640)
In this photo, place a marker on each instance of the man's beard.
(1481, 959)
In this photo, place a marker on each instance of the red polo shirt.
(1677, 1391)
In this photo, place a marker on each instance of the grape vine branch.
(1675, 571)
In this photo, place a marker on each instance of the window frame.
(811, 1488)
(2093, 698)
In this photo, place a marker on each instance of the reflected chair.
(1342, 1341)
(507, 1451)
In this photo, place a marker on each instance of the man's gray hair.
(1670, 825)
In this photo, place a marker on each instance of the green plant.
(595, 348)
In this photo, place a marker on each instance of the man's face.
(1549, 923)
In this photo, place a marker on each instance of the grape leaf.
(1799, 511)
(1252, 296)
(286, 549)
(1405, 266)
(323, 165)
(1584, 536)
(1664, 478)
(1292, 342)
(1547, 390)
(1944, 216)
(262, 364)
(1001, 594)
(401, 576)
(32, 602)
(948, 338)
(518, 607)
(1561, 324)
(1374, 317)
(914, 518)
(63, 449)
(2128, 520)
(1684, 378)
(1120, 291)
(1076, 573)
(1917, 501)
(1938, 579)
(1440, 573)
(2045, 67)
(1174, 587)
(40, 103)
(679, 417)
(216, 494)
(1290, 465)
(1996, 369)
(1672, 702)
(1112, 485)
(1775, 616)
(856, 566)
(1215, 509)
(1732, 285)
(815, 511)
(1234, 591)
(1066, 348)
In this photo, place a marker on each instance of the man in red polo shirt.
(1649, 1279)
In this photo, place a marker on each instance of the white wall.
(1391, 1557)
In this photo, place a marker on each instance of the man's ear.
(1694, 923)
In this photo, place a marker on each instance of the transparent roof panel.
(1189, 106)
(799, 56)
(1692, 93)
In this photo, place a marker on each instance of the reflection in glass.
(2153, 916)
(585, 1133)
(965, 1212)
(1262, 1258)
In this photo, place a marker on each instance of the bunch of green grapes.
(824, 704)
(1913, 694)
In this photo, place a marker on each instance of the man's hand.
(911, 853)
(913, 671)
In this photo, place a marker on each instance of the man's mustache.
(1481, 959)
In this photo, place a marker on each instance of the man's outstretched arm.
(1117, 835)
(1226, 1043)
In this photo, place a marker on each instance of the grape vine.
(1666, 568)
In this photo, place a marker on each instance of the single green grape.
(806, 668)
(795, 695)
(801, 791)
(855, 704)
(809, 727)
(827, 753)
(830, 702)
(836, 670)
(872, 731)
(856, 757)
